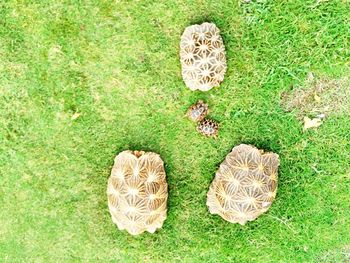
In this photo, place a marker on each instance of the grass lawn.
(81, 81)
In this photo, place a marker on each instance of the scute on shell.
(245, 185)
(202, 57)
(137, 192)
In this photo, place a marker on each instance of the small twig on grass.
(283, 222)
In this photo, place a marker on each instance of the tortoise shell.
(137, 192)
(198, 111)
(245, 185)
(202, 57)
(208, 128)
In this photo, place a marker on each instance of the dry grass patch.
(319, 96)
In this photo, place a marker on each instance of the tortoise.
(198, 111)
(137, 192)
(245, 185)
(208, 128)
(202, 57)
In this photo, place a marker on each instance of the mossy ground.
(116, 63)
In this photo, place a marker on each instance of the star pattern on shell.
(208, 128)
(245, 185)
(198, 111)
(137, 192)
(202, 56)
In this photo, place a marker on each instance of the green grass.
(116, 63)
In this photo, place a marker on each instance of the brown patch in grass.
(319, 96)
